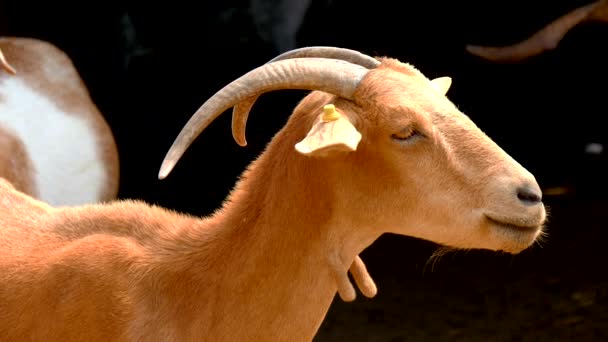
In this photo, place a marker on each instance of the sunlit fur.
(259, 268)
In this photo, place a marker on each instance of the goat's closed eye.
(407, 134)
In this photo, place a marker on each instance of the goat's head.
(408, 160)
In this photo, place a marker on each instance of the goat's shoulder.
(141, 223)
(126, 224)
(20, 218)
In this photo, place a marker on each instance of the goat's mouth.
(521, 227)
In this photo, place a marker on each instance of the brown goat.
(377, 150)
(56, 145)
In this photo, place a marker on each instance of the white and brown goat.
(378, 148)
(55, 145)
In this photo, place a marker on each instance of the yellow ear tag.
(332, 133)
(330, 113)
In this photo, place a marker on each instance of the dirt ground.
(556, 291)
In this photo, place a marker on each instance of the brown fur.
(15, 166)
(259, 269)
(50, 71)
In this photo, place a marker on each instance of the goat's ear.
(442, 84)
(331, 133)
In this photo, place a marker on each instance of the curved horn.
(330, 75)
(347, 55)
(545, 39)
(241, 110)
(4, 65)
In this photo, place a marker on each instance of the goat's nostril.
(529, 196)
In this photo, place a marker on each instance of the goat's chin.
(512, 238)
(513, 233)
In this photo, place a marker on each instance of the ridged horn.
(241, 110)
(329, 75)
(343, 54)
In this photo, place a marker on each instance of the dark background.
(150, 66)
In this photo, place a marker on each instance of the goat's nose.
(529, 195)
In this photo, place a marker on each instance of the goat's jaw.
(513, 238)
(481, 228)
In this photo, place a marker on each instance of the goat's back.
(52, 289)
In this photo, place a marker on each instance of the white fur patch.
(67, 165)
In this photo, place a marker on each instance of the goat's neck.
(284, 250)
